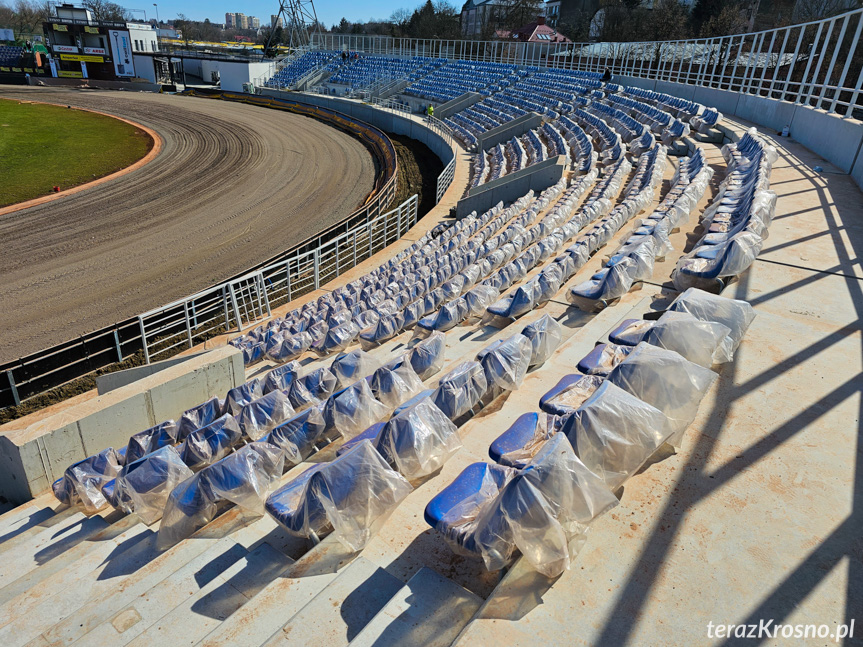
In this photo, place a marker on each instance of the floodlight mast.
(300, 17)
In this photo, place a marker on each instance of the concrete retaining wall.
(33, 455)
(507, 131)
(838, 140)
(511, 187)
(112, 381)
(458, 104)
(391, 122)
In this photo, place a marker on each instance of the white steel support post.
(236, 308)
(833, 64)
(855, 42)
(144, 340)
(188, 323)
(14, 388)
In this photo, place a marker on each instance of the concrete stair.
(343, 608)
(429, 610)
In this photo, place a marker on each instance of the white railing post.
(144, 340)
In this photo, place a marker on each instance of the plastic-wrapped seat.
(702, 342)
(337, 339)
(710, 266)
(297, 436)
(603, 358)
(199, 416)
(461, 389)
(448, 317)
(281, 377)
(352, 366)
(260, 416)
(614, 433)
(245, 478)
(352, 410)
(735, 314)
(520, 302)
(545, 335)
(387, 327)
(419, 440)
(82, 482)
(142, 487)
(427, 357)
(240, 396)
(352, 495)
(295, 345)
(149, 440)
(667, 381)
(569, 393)
(395, 383)
(505, 363)
(312, 388)
(516, 446)
(479, 298)
(208, 444)
(542, 510)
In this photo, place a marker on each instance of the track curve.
(233, 186)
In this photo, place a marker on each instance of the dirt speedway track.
(233, 186)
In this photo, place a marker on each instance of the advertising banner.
(63, 74)
(81, 58)
(65, 48)
(91, 30)
(121, 47)
(96, 50)
(60, 28)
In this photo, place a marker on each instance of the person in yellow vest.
(430, 111)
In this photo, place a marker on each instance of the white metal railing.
(445, 179)
(815, 64)
(237, 303)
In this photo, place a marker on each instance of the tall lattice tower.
(300, 20)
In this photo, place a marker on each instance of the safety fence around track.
(242, 299)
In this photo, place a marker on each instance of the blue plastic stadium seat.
(603, 358)
(208, 444)
(149, 440)
(427, 357)
(460, 390)
(298, 435)
(199, 416)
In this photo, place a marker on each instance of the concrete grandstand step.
(266, 613)
(63, 592)
(45, 504)
(340, 611)
(193, 579)
(116, 533)
(23, 532)
(105, 606)
(223, 595)
(23, 521)
(30, 552)
(429, 610)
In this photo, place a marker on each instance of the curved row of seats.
(456, 78)
(736, 221)
(365, 70)
(555, 471)
(289, 74)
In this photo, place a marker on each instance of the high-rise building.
(276, 21)
(230, 20)
(254, 22)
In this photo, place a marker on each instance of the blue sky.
(329, 11)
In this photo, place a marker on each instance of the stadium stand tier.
(419, 451)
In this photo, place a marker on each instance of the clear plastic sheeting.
(505, 363)
(352, 366)
(240, 396)
(427, 357)
(149, 440)
(82, 482)
(667, 381)
(199, 416)
(245, 478)
(295, 345)
(420, 439)
(550, 504)
(545, 335)
(143, 486)
(461, 389)
(354, 495)
(574, 395)
(297, 436)
(354, 409)
(395, 383)
(260, 416)
(280, 378)
(209, 444)
(312, 388)
(480, 298)
(384, 329)
(337, 339)
(614, 433)
(735, 314)
(519, 451)
(702, 342)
